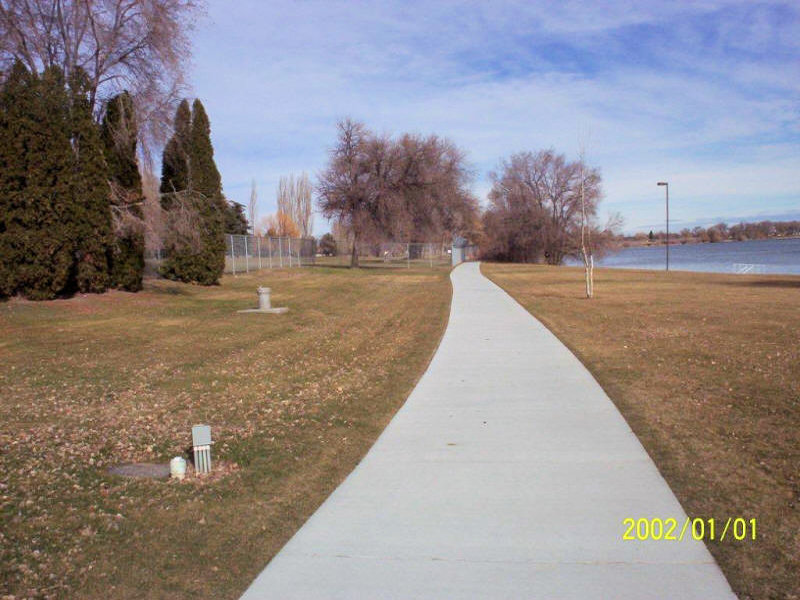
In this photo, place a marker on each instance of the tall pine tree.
(91, 222)
(206, 185)
(175, 160)
(120, 133)
(205, 177)
(16, 98)
(45, 225)
(119, 136)
(235, 219)
(197, 255)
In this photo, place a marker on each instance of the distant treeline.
(721, 232)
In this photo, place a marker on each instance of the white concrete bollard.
(264, 304)
(263, 298)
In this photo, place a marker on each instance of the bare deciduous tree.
(538, 205)
(183, 224)
(586, 254)
(279, 225)
(346, 191)
(305, 206)
(252, 206)
(432, 185)
(341, 234)
(294, 199)
(137, 45)
(152, 212)
(408, 190)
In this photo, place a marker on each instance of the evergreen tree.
(205, 177)
(119, 135)
(43, 224)
(91, 216)
(235, 220)
(206, 186)
(327, 245)
(175, 161)
(16, 97)
(198, 255)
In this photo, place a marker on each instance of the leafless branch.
(137, 45)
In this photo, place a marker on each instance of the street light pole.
(666, 185)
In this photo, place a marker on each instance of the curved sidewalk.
(506, 474)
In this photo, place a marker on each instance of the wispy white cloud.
(705, 93)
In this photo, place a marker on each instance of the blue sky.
(704, 94)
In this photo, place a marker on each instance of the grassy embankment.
(706, 370)
(293, 400)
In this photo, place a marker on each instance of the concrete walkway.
(506, 474)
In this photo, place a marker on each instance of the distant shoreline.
(631, 243)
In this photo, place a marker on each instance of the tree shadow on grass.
(167, 289)
(767, 283)
(323, 266)
(364, 267)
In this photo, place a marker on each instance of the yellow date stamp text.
(708, 529)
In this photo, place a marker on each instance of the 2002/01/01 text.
(642, 529)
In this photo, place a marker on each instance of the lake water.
(766, 256)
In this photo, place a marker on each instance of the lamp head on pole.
(662, 183)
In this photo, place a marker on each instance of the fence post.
(258, 241)
(280, 252)
(430, 255)
(408, 255)
(246, 257)
(269, 245)
(233, 257)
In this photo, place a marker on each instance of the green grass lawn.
(706, 370)
(294, 401)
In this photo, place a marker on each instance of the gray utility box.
(201, 444)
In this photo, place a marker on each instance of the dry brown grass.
(706, 370)
(293, 400)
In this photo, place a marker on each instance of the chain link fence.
(389, 254)
(245, 253)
